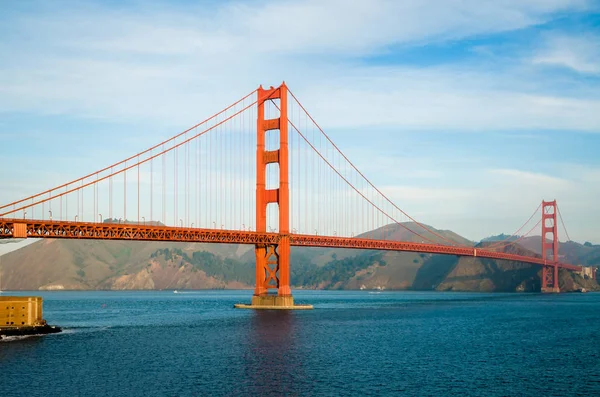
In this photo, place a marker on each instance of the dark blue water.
(353, 343)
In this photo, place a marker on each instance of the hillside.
(407, 231)
(87, 264)
(570, 251)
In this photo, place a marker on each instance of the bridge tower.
(549, 243)
(273, 260)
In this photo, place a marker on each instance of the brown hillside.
(91, 264)
(407, 231)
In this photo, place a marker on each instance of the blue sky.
(467, 113)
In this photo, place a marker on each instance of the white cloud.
(500, 200)
(313, 26)
(535, 180)
(409, 196)
(580, 53)
(174, 66)
(450, 98)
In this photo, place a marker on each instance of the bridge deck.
(22, 228)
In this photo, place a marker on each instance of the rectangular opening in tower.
(272, 178)
(272, 140)
(272, 107)
(273, 218)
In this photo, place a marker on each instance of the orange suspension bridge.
(260, 172)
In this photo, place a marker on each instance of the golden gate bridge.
(259, 172)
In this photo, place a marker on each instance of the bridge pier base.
(273, 302)
(550, 290)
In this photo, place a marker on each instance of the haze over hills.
(101, 264)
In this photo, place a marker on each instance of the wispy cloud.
(108, 64)
(313, 26)
(531, 178)
(580, 53)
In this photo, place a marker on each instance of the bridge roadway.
(25, 228)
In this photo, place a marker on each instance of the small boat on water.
(175, 292)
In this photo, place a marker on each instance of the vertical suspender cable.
(151, 186)
(164, 185)
(125, 194)
(138, 189)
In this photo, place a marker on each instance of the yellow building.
(21, 311)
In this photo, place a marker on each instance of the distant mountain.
(417, 233)
(87, 264)
(500, 237)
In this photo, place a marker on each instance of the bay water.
(359, 343)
